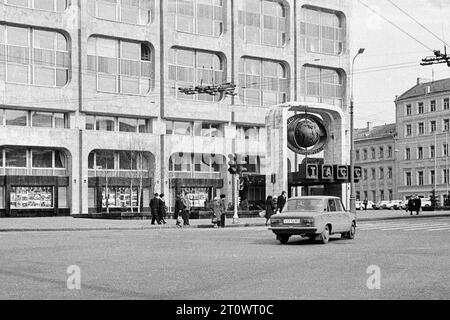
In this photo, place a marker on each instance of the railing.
(60, 172)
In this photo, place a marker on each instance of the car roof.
(314, 197)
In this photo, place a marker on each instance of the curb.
(200, 226)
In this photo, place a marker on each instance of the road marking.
(403, 225)
(440, 229)
(416, 225)
(413, 228)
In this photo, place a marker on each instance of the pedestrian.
(217, 212)
(186, 210)
(417, 204)
(270, 207)
(365, 204)
(179, 208)
(281, 202)
(154, 208)
(410, 206)
(223, 210)
(162, 209)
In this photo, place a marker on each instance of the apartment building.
(375, 153)
(91, 115)
(422, 117)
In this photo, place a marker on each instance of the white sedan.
(314, 217)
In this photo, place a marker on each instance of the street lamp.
(352, 142)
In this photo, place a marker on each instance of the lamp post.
(352, 142)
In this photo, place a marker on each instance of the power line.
(418, 22)
(395, 25)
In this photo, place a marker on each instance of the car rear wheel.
(325, 235)
(351, 234)
(284, 239)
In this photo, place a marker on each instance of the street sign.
(326, 172)
(312, 172)
(357, 173)
(341, 172)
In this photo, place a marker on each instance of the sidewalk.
(72, 224)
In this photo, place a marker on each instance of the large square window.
(15, 118)
(16, 158)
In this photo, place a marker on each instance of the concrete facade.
(80, 98)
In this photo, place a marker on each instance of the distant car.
(426, 202)
(369, 205)
(398, 204)
(381, 205)
(314, 217)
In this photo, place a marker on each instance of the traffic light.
(232, 164)
(241, 165)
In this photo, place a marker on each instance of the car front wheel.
(325, 235)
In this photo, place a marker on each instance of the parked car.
(426, 202)
(398, 204)
(314, 217)
(381, 205)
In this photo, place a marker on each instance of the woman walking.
(270, 207)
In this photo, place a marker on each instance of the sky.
(390, 64)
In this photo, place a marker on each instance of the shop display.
(120, 197)
(198, 197)
(31, 197)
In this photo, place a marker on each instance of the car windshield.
(304, 205)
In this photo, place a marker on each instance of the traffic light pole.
(236, 198)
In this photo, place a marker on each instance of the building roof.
(387, 130)
(422, 89)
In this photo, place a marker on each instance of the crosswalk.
(434, 226)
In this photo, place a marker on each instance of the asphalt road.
(236, 263)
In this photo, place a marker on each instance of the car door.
(344, 217)
(332, 216)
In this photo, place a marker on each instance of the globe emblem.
(307, 133)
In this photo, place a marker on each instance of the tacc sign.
(328, 172)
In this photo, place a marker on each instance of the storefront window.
(60, 160)
(120, 197)
(31, 197)
(105, 160)
(180, 162)
(42, 158)
(127, 160)
(16, 158)
(15, 117)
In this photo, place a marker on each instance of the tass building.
(99, 107)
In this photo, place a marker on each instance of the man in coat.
(179, 208)
(411, 206)
(154, 208)
(281, 202)
(162, 209)
(417, 204)
(223, 211)
(186, 210)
